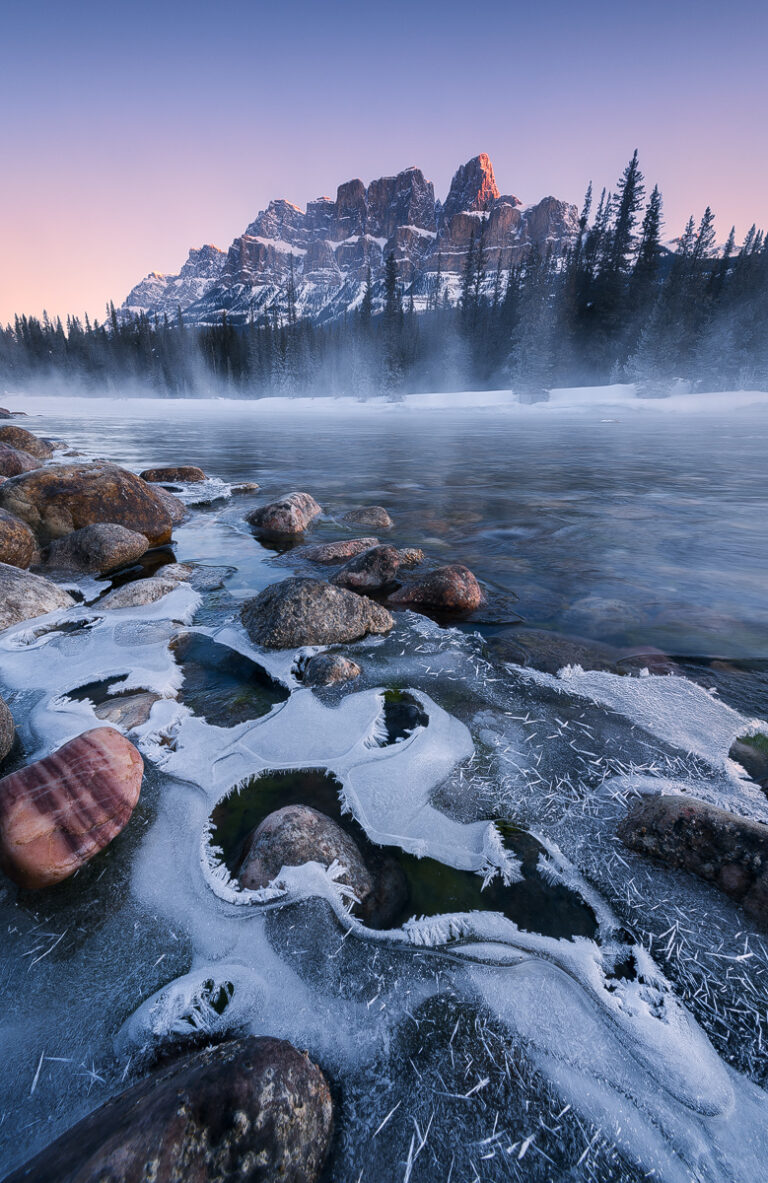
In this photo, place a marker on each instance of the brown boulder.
(23, 596)
(309, 612)
(285, 518)
(374, 516)
(58, 813)
(254, 1110)
(448, 589)
(13, 461)
(17, 542)
(7, 729)
(372, 570)
(335, 552)
(186, 473)
(98, 548)
(328, 669)
(56, 500)
(25, 441)
(175, 508)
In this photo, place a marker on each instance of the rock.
(23, 596)
(127, 710)
(17, 542)
(5, 413)
(606, 617)
(285, 518)
(138, 594)
(449, 589)
(56, 500)
(202, 578)
(374, 516)
(13, 462)
(58, 813)
(751, 752)
(335, 552)
(550, 651)
(327, 669)
(300, 612)
(186, 474)
(7, 729)
(174, 507)
(246, 487)
(95, 549)
(298, 834)
(25, 441)
(254, 1110)
(410, 556)
(372, 570)
(724, 848)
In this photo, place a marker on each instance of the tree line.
(614, 305)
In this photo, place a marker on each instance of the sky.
(133, 132)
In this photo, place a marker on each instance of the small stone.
(335, 552)
(23, 596)
(184, 473)
(300, 612)
(246, 487)
(410, 556)
(285, 518)
(25, 441)
(328, 669)
(96, 549)
(56, 814)
(17, 542)
(374, 516)
(450, 589)
(127, 710)
(138, 594)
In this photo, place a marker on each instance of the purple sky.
(132, 132)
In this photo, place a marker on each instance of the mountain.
(328, 248)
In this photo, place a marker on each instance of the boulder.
(23, 596)
(185, 473)
(138, 594)
(751, 751)
(174, 507)
(724, 848)
(335, 552)
(448, 589)
(56, 500)
(127, 710)
(17, 542)
(56, 814)
(328, 669)
(410, 556)
(298, 834)
(25, 441)
(300, 612)
(95, 549)
(550, 651)
(246, 487)
(374, 516)
(285, 518)
(7, 729)
(14, 462)
(5, 413)
(372, 570)
(254, 1110)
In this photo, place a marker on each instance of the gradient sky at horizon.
(131, 133)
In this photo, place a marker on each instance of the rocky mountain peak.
(473, 187)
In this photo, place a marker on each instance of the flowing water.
(585, 1014)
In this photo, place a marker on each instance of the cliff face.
(329, 247)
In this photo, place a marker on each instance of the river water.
(499, 1037)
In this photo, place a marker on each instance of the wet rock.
(95, 549)
(328, 669)
(604, 617)
(202, 578)
(127, 710)
(752, 753)
(374, 516)
(7, 729)
(723, 848)
(633, 661)
(335, 552)
(185, 473)
(17, 542)
(448, 589)
(23, 596)
(5, 413)
(56, 500)
(298, 834)
(174, 507)
(25, 441)
(56, 814)
(410, 556)
(550, 652)
(285, 518)
(13, 462)
(300, 612)
(246, 487)
(139, 593)
(372, 570)
(254, 1110)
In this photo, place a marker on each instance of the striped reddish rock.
(58, 813)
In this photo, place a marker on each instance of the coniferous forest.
(618, 305)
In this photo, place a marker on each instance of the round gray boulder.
(300, 612)
(24, 596)
(101, 547)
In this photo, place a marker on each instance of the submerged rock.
(300, 612)
(375, 516)
(13, 462)
(285, 518)
(550, 651)
(23, 596)
(17, 542)
(372, 570)
(7, 729)
(335, 552)
(25, 441)
(139, 593)
(328, 669)
(56, 500)
(127, 710)
(188, 474)
(724, 848)
(254, 1110)
(56, 814)
(96, 549)
(752, 753)
(201, 578)
(606, 617)
(174, 507)
(449, 589)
